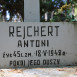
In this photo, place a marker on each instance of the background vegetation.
(13, 6)
(58, 10)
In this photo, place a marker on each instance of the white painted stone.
(65, 41)
(31, 11)
(75, 34)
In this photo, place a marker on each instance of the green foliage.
(49, 6)
(58, 16)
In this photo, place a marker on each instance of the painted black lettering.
(50, 30)
(18, 31)
(11, 31)
(28, 29)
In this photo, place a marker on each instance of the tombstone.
(22, 46)
(31, 11)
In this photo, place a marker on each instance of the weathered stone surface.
(40, 72)
(60, 50)
(31, 11)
